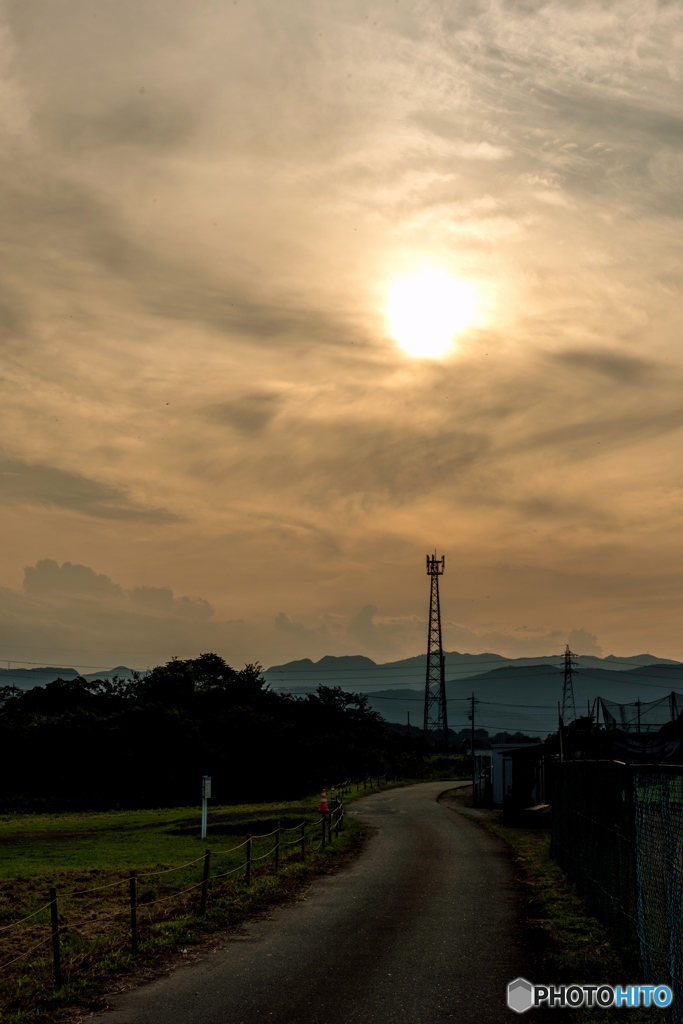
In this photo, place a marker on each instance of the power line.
(47, 669)
(538, 662)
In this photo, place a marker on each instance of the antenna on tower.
(436, 719)
(568, 686)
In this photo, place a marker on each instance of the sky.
(211, 437)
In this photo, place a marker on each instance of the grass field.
(87, 858)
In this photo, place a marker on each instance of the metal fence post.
(247, 871)
(277, 847)
(54, 923)
(322, 821)
(329, 826)
(303, 840)
(205, 881)
(134, 911)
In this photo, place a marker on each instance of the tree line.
(146, 741)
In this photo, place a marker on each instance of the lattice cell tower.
(436, 719)
(568, 686)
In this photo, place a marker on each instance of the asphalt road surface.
(426, 926)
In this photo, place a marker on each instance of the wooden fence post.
(54, 923)
(205, 882)
(277, 847)
(303, 840)
(134, 911)
(247, 872)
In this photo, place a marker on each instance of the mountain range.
(511, 693)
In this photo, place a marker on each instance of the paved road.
(424, 927)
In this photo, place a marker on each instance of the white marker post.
(206, 795)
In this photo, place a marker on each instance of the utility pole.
(473, 702)
(560, 727)
(435, 717)
(206, 795)
(14, 682)
(568, 686)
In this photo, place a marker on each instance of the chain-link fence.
(618, 833)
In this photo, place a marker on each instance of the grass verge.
(577, 948)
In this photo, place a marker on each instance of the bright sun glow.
(426, 310)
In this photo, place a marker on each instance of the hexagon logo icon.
(520, 995)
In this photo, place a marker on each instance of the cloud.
(201, 215)
(616, 366)
(522, 642)
(161, 601)
(582, 642)
(613, 116)
(142, 120)
(249, 414)
(284, 624)
(47, 579)
(23, 483)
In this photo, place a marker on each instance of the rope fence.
(330, 823)
(21, 920)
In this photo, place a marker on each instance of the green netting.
(641, 715)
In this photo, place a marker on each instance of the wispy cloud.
(201, 214)
(25, 484)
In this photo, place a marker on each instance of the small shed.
(502, 769)
(481, 796)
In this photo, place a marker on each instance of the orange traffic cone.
(323, 802)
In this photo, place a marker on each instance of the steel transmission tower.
(568, 686)
(436, 719)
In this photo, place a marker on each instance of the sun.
(426, 310)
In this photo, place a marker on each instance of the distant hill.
(517, 694)
(365, 675)
(27, 678)
(512, 693)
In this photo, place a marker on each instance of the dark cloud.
(13, 315)
(250, 413)
(613, 116)
(47, 578)
(616, 366)
(141, 120)
(23, 483)
(596, 434)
